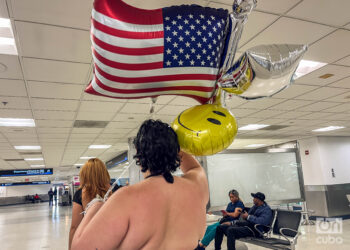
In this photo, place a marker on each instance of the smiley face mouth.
(211, 120)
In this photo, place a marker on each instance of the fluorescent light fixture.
(37, 166)
(255, 145)
(253, 127)
(87, 157)
(16, 122)
(5, 23)
(78, 164)
(27, 147)
(306, 67)
(99, 146)
(330, 128)
(7, 41)
(33, 159)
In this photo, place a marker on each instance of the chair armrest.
(261, 233)
(292, 241)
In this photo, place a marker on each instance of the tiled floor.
(38, 226)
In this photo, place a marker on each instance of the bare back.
(165, 216)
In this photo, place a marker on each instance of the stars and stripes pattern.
(145, 53)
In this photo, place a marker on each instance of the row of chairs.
(282, 233)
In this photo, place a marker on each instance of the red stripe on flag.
(90, 90)
(128, 51)
(149, 79)
(126, 34)
(128, 66)
(146, 90)
(119, 10)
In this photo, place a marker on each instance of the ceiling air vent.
(31, 153)
(90, 124)
(13, 159)
(274, 127)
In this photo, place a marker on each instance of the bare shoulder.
(198, 178)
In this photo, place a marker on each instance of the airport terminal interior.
(79, 77)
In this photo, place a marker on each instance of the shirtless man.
(161, 212)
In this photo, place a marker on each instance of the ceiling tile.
(123, 131)
(257, 21)
(330, 48)
(89, 97)
(54, 130)
(340, 98)
(53, 42)
(279, 32)
(343, 108)
(262, 103)
(315, 117)
(294, 90)
(343, 83)
(291, 105)
(321, 93)
(248, 120)
(240, 112)
(3, 9)
(13, 68)
(266, 114)
(345, 61)
(292, 114)
(318, 106)
(313, 78)
(41, 11)
(14, 103)
(340, 117)
(135, 108)
(162, 3)
(51, 104)
(54, 115)
(12, 88)
(333, 12)
(131, 117)
(95, 116)
(53, 123)
(125, 124)
(55, 71)
(234, 101)
(185, 101)
(15, 113)
(172, 110)
(94, 106)
(54, 90)
(86, 130)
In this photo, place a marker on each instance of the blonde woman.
(94, 180)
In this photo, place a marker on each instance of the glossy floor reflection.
(38, 226)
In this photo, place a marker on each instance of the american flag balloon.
(146, 53)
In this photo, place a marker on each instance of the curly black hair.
(157, 149)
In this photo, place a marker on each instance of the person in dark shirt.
(232, 212)
(50, 193)
(260, 214)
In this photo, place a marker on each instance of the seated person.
(36, 197)
(233, 211)
(260, 214)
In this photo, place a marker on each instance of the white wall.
(27, 190)
(311, 164)
(325, 153)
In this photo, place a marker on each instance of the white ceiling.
(46, 81)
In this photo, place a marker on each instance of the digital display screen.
(117, 160)
(26, 172)
(25, 183)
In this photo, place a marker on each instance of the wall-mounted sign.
(26, 172)
(25, 183)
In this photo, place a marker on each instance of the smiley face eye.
(212, 120)
(219, 113)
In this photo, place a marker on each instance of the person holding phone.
(232, 212)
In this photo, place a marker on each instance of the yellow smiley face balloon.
(205, 129)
